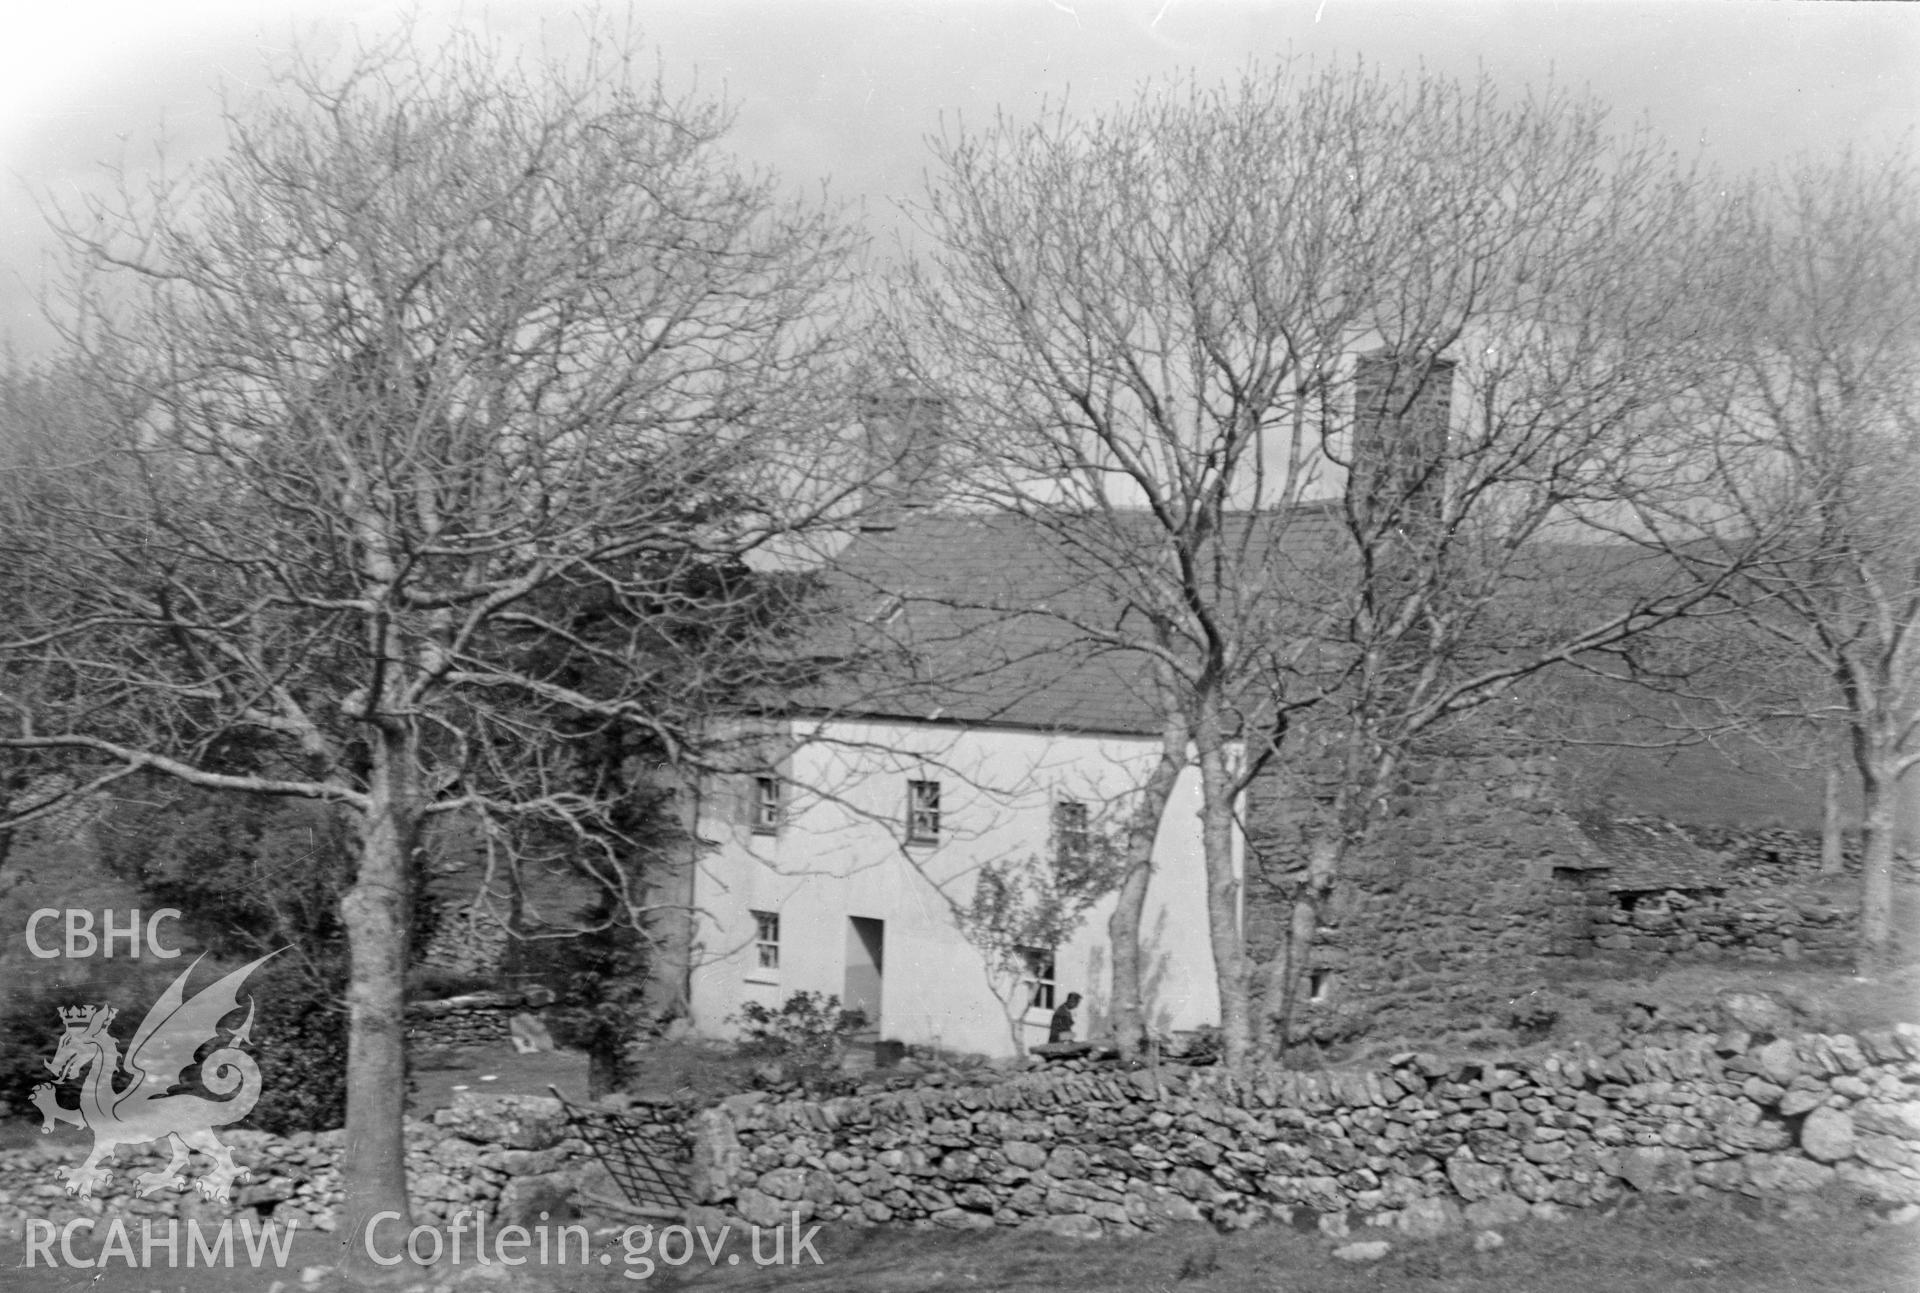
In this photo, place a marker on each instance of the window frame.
(923, 811)
(769, 806)
(1319, 986)
(766, 943)
(1043, 988)
(1072, 834)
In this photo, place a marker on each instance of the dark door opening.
(866, 959)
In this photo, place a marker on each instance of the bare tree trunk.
(1832, 842)
(1288, 966)
(1906, 813)
(12, 785)
(1876, 878)
(1016, 1021)
(1223, 886)
(1269, 1037)
(1128, 1008)
(375, 912)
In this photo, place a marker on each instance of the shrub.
(298, 1038)
(300, 1035)
(30, 1028)
(599, 980)
(1532, 1018)
(803, 1042)
(808, 1028)
(1204, 1045)
(251, 874)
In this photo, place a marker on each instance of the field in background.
(493, 1070)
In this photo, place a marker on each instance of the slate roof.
(977, 617)
(988, 614)
(974, 618)
(989, 617)
(1631, 854)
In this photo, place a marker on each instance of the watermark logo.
(141, 1110)
(191, 1244)
(641, 1250)
(81, 941)
(145, 1108)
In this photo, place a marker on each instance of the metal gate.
(649, 1168)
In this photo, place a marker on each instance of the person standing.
(1060, 1027)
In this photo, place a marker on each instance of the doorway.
(866, 960)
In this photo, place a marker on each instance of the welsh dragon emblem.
(143, 1110)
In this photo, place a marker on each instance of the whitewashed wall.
(841, 853)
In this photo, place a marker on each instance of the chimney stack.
(1401, 406)
(903, 445)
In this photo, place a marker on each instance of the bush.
(599, 981)
(803, 1042)
(809, 1028)
(30, 1027)
(300, 1035)
(1532, 1018)
(1203, 1045)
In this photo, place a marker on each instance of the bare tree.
(1813, 437)
(428, 439)
(1311, 379)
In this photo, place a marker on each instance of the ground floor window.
(766, 939)
(1039, 964)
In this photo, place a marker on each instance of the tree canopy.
(415, 455)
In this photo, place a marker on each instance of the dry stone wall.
(1794, 923)
(498, 1155)
(1421, 1146)
(1774, 855)
(476, 1019)
(290, 1179)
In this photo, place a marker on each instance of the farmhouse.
(843, 852)
(847, 858)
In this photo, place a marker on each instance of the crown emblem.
(76, 1016)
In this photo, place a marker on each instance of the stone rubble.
(477, 1019)
(496, 1154)
(1424, 1147)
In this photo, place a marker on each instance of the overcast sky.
(847, 89)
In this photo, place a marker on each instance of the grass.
(1593, 1002)
(1716, 1245)
(1704, 1246)
(495, 1070)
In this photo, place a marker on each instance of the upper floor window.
(767, 807)
(1072, 837)
(923, 812)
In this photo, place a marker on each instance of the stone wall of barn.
(1444, 916)
(1792, 921)
(1474, 882)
